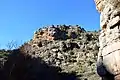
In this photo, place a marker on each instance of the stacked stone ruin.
(109, 39)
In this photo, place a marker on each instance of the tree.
(12, 45)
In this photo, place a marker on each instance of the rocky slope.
(70, 48)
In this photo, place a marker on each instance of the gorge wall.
(109, 38)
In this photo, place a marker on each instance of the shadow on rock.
(21, 66)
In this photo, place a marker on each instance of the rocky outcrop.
(110, 10)
(59, 32)
(109, 52)
(74, 52)
(71, 56)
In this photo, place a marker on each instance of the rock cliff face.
(59, 32)
(109, 37)
(71, 54)
(71, 48)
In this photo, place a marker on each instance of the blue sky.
(19, 19)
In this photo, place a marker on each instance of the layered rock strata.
(109, 38)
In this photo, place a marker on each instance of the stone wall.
(109, 38)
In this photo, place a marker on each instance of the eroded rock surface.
(58, 32)
(70, 58)
(76, 51)
(109, 38)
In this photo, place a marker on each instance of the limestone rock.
(76, 55)
(72, 54)
(110, 35)
(59, 32)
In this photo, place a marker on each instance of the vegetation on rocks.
(55, 53)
